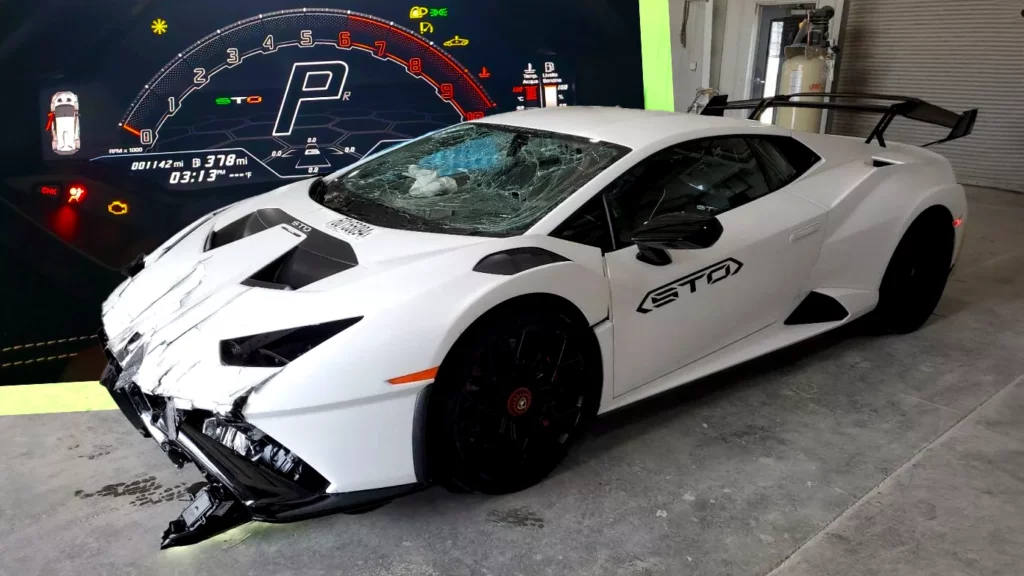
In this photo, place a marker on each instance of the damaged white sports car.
(455, 310)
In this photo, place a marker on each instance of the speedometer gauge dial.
(293, 93)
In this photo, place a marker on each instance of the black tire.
(519, 387)
(916, 276)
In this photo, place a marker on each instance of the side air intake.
(817, 308)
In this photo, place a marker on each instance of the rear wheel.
(515, 392)
(917, 273)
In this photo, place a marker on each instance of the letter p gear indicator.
(309, 81)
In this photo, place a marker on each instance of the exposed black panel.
(254, 282)
(875, 162)
(516, 260)
(232, 232)
(318, 256)
(280, 347)
(300, 267)
(817, 308)
(135, 266)
(246, 226)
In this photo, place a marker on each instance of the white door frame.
(741, 24)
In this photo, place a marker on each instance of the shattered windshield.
(473, 179)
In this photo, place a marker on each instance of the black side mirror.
(677, 231)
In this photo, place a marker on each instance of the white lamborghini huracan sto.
(456, 309)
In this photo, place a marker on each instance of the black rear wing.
(960, 125)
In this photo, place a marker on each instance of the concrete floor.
(851, 454)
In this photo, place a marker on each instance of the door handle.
(804, 232)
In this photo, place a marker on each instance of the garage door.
(954, 53)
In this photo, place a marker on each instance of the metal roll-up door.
(958, 54)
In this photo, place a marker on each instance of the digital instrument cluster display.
(193, 95)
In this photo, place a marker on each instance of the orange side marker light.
(428, 374)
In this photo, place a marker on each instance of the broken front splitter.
(212, 510)
(250, 476)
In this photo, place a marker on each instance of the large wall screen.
(198, 95)
(124, 120)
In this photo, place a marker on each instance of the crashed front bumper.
(239, 489)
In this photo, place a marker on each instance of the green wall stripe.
(656, 51)
(54, 398)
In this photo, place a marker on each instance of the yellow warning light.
(117, 208)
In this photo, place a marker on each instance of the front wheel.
(516, 391)
(916, 275)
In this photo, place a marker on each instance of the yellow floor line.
(54, 398)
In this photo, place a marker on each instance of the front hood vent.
(318, 256)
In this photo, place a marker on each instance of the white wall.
(686, 81)
(721, 12)
(688, 62)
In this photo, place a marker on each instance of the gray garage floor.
(852, 454)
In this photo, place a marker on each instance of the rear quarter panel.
(869, 207)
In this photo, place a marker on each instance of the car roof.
(626, 126)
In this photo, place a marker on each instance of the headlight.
(275, 349)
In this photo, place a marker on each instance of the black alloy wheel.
(916, 275)
(520, 389)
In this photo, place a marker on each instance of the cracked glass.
(470, 179)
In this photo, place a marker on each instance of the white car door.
(669, 312)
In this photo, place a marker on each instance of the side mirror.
(677, 231)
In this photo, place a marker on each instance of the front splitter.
(213, 510)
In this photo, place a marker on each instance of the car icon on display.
(64, 124)
(456, 41)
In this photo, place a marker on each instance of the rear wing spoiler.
(960, 125)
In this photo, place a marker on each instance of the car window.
(589, 225)
(64, 111)
(709, 176)
(472, 179)
(783, 159)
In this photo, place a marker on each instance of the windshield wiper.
(318, 190)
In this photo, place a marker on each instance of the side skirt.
(768, 339)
